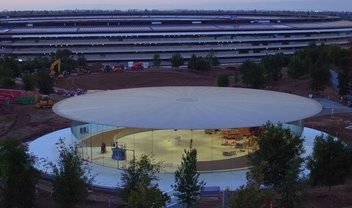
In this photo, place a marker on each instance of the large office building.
(124, 37)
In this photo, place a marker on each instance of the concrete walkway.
(331, 107)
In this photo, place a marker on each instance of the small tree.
(67, 62)
(223, 80)
(199, 63)
(187, 185)
(345, 75)
(45, 82)
(192, 62)
(70, 185)
(330, 162)
(297, 67)
(156, 60)
(81, 62)
(18, 176)
(250, 196)
(320, 78)
(214, 61)
(177, 60)
(139, 189)
(28, 81)
(253, 74)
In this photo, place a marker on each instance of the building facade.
(129, 37)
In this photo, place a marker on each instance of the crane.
(57, 63)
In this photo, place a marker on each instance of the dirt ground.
(27, 123)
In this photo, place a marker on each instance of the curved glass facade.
(218, 149)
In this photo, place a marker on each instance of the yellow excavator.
(57, 63)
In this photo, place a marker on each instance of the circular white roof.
(187, 107)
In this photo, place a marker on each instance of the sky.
(301, 5)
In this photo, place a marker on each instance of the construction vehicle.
(45, 102)
(57, 63)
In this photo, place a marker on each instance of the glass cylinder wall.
(218, 149)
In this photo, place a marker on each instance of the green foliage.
(192, 62)
(7, 82)
(81, 62)
(11, 65)
(277, 163)
(223, 80)
(70, 185)
(156, 60)
(253, 74)
(45, 82)
(146, 197)
(18, 176)
(177, 60)
(139, 187)
(28, 81)
(297, 67)
(36, 64)
(345, 75)
(8, 71)
(250, 196)
(330, 162)
(273, 66)
(320, 78)
(187, 185)
(335, 53)
(199, 63)
(278, 148)
(214, 61)
(290, 186)
(67, 62)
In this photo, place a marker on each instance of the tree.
(223, 80)
(67, 62)
(28, 81)
(253, 74)
(81, 62)
(187, 185)
(297, 67)
(70, 180)
(199, 63)
(320, 78)
(35, 64)
(278, 148)
(6, 73)
(156, 60)
(273, 66)
(330, 162)
(45, 82)
(18, 176)
(290, 186)
(250, 196)
(214, 61)
(139, 189)
(277, 163)
(177, 60)
(344, 75)
(192, 62)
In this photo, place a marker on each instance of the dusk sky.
(321, 5)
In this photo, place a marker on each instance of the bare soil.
(27, 123)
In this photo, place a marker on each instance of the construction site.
(26, 115)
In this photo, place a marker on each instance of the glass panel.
(218, 149)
